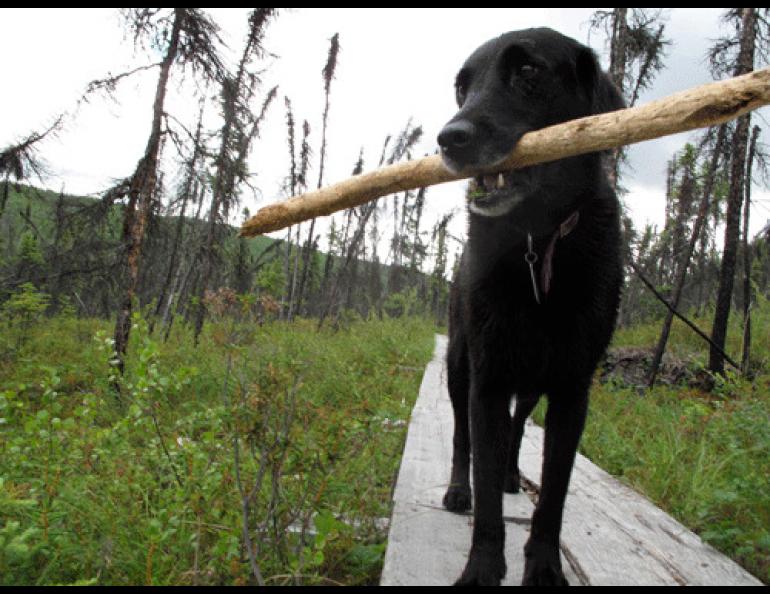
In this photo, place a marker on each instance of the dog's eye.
(523, 72)
(527, 71)
(460, 92)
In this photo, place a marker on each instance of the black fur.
(502, 341)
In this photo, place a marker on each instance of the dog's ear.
(601, 92)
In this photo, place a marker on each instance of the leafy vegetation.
(149, 487)
(267, 454)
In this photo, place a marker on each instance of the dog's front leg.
(525, 404)
(564, 423)
(490, 424)
(458, 495)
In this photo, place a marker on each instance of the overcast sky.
(394, 64)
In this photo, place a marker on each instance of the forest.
(182, 405)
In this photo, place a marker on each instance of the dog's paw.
(483, 569)
(458, 499)
(512, 483)
(542, 566)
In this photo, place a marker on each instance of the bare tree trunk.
(184, 273)
(328, 75)
(236, 91)
(141, 195)
(734, 202)
(189, 189)
(212, 228)
(617, 72)
(684, 264)
(173, 293)
(351, 252)
(746, 356)
(293, 288)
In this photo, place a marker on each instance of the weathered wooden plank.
(428, 545)
(611, 535)
(617, 536)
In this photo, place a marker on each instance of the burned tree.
(746, 246)
(724, 60)
(328, 75)
(637, 47)
(188, 37)
(21, 161)
(685, 256)
(188, 190)
(239, 129)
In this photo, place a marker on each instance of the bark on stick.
(706, 105)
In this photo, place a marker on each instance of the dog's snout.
(456, 135)
(457, 139)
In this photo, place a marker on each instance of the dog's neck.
(546, 268)
(529, 255)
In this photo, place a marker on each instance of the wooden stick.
(702, 106)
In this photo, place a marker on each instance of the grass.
(705, 460)
(305, 428)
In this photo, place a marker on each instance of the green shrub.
(147, 488)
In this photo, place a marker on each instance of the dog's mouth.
(494, 194)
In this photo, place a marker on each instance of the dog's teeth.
(500, 181)
(489, 182)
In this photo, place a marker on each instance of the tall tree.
(294, 296)
(187, 190)
(637, 47)
(237, 92)
(746, 354)
(189, 37)
(686, 254)
(291, 187)
(328, 75)
(745, 21)
(21, 160)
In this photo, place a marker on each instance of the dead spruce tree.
(746, 247)
(22, 160)
(353, 235)
(637, 45)
(637, 48)
(234, 143)
(290, 185)
(685, 255)
(188, 189)
(301, 185)
(187, 37)
(750, 40)
(328, 75)
(439, 285)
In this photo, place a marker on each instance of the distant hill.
(70, 245)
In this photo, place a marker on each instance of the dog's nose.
(456, 136)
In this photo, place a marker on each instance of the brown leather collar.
(546, 269)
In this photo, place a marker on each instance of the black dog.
(535, 301)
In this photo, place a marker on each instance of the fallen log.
(706, 105)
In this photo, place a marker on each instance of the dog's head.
(518, 82)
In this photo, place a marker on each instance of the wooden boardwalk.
(611, 535)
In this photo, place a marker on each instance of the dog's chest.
(513, 333)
